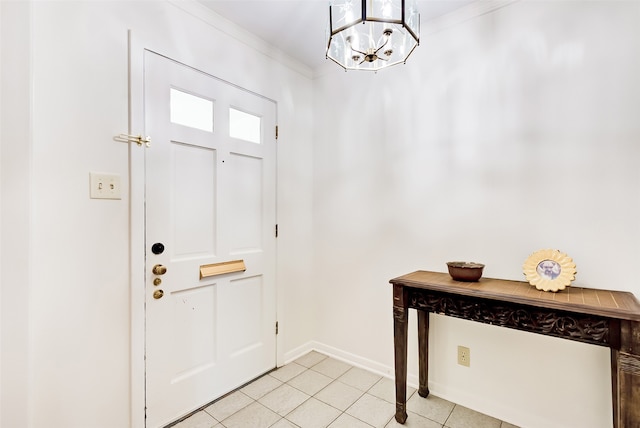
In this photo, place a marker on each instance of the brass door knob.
(158, 294)
(159, 270)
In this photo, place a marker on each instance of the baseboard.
(349, 358)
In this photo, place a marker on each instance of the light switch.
(105, 186)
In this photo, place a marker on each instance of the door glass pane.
(244, 126)
(192, 111)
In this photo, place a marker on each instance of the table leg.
(626, 411)
(400, 321)
(614, 386)
(423, 353)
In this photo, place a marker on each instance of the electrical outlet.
(104, 186)
(464, 356)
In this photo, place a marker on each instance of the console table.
(600, 317)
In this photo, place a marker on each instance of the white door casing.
(210, 198)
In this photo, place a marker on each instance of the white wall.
(66, 313)
(504, 134)
(15, 208)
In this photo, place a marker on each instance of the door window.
(244, 126)
(191, 110)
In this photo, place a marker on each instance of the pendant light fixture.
(372, 34)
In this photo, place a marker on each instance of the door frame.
(137, 47)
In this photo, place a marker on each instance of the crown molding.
(200, 11)
(470, 11)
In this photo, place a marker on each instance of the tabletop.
(608, 303)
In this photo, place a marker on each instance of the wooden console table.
(599, 317)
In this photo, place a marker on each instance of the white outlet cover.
(104, 186)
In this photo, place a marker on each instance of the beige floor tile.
(198, 420)
(283, 423)
(310, 382)
(339, 395)
(462, 417)
(310, 359)
(414, 420)
(228, 405)
(259, 388)
(288, 372)
(372, 410)
(331, 367)
(317, 391)
(385, 388)
(254, 415)
(359, 378)
(432, 407)
(348, 421)
(283, 399)
(313, 414)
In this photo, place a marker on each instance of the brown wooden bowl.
(465, 271)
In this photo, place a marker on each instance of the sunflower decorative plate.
(549, 270)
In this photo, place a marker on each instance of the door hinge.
(276, 327)
(276, 132)
(276, 230)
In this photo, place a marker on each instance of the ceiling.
(298, 27)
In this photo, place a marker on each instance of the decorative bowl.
(465, 271)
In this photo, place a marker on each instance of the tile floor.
(317, 391)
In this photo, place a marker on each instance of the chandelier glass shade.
(372, 34)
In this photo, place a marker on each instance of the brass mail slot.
(221, 268)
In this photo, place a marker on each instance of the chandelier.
(372, 34)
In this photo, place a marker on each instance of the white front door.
(210, 199)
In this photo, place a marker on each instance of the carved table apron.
(600, 317)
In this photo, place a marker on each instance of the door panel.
(246, 202)
(194, 333)
(246, 319)
(210, 198)
(194, 175)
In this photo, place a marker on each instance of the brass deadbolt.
(157, 281)
(159, 270)
(158, 294)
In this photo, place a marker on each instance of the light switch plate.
(104, 186)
